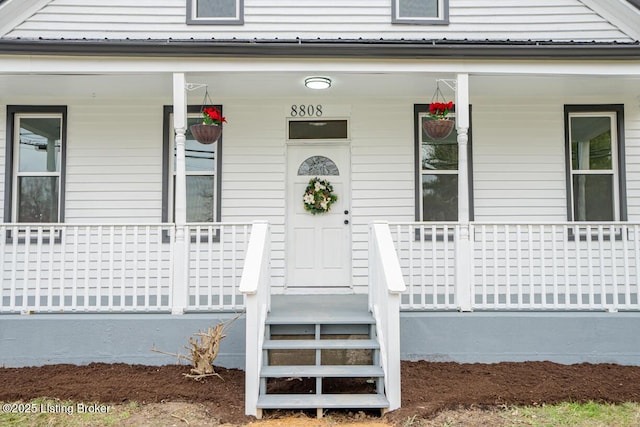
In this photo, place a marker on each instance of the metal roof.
(380, 48)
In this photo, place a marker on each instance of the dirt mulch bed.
(427, 387)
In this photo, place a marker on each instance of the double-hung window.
(35, 171)
(595, 162)
(203, 163)
(427, 12)
(437, 172)
(215, 12)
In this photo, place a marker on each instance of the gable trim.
(620, 13)
(15, 12)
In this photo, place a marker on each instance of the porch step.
(324, 371)
(311, 401)
(340, 324)
(354, 344)
(312, 318)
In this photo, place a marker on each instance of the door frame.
(288, 218)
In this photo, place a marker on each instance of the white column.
(180, 260)
(464, 246)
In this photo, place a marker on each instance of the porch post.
(180, 283)
(464, 246)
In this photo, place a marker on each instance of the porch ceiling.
(51, 87)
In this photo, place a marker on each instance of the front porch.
(65, 268)
(485, 287)
(86, 290)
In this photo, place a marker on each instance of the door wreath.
(318, 196)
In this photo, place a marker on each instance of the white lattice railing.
(583, 266)
(543, 266)
(427, 254)
(118, 267)
(216, 254)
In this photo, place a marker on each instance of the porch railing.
(385, 286)
(522, 266)
(216, 254)
(256, 286)
(118, 267)
(427, 254)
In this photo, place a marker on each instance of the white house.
(517, 237)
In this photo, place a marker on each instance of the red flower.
(212, 116)
(439, 110)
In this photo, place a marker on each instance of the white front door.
(318, 246)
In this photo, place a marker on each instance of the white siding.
(519, 156)
(382, 172)
(326, 19)
(114, 163)
(632, 151)
(114, 167)
(3, 142)
(253, 181)
(518, 160)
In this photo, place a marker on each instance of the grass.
(53, 412)
(589, 414)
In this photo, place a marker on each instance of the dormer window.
(427, 12)
(215, 12)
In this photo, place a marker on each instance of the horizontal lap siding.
(518, 154)
(519, 157)
(254, 168)
(382, 172)
(632, 151)
(114, 163)
(352, 19)
(105, 144)
(3, 143)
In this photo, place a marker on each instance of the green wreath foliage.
(318, 196)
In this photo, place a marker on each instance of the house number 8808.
(302, 110)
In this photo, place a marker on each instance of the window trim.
(192, 19)
(167, 173)
(441, 19)
(347, 136)
(419, 109)
(620, 199)
(10, 208)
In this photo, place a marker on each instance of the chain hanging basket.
(440, 126)
(438, 129)
(206, 134)
(209, 131)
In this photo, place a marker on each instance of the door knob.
(346, 221)
(346, 212)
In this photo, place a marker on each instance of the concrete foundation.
(483, 337)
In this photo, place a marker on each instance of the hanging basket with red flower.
(440, 126)
(210, 129)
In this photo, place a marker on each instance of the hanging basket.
(438, 129)
(206, 134)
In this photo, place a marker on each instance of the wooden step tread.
(328, 371)
(320, 319)
(311, 401)
(321, 344)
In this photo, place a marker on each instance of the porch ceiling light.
(318, 83)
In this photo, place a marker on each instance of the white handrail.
(255, 285)
(386, 283)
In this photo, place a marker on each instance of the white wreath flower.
(318, 196)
